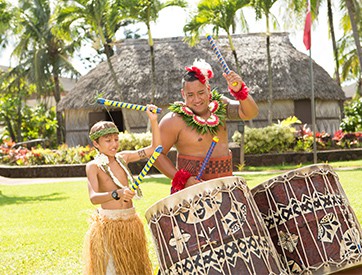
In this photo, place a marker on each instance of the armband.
(179, 180)
(242, 94)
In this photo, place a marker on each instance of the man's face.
(197, 97)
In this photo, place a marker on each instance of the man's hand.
(191, 181)
(231, 78)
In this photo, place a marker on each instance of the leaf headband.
(105, 131)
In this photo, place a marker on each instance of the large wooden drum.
(311, 222)
(213, 227)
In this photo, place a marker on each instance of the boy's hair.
(102, 128)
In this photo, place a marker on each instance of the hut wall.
(328, 116)
(77, 127)
(281, 110)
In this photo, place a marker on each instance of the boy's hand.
(127, 194)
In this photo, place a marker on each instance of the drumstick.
(147, 167)
(126, 105)
(219, 56)
(207, 158)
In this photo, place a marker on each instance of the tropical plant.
(349, 56)
(354, 8)
(147, 11)
(99, 20)
(263, 8)
(43, 51)
(352, 121)
(5, 19)
(221, 15)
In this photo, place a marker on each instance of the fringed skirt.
(116, 244)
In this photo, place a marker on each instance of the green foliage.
(283, 137)
(352, 122)
(276, 138)
(134, 141)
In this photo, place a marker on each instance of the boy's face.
(107, 144)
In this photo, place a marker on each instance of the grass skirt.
(116, 244)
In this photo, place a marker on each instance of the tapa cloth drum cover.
(310, 220)
(213, 227)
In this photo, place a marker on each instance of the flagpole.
(307, 40)
(313, 107)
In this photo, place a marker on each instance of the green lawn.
(42, 226)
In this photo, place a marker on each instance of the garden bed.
(78, 170)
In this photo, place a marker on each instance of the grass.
(42, 226)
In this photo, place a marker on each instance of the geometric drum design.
(213, 227)
(310, 221)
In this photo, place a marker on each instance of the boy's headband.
(105, 131)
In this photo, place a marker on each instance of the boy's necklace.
(102, 162)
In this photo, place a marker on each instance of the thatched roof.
(132, 64)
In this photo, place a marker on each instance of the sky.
(172, 19)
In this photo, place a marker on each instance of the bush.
(64, 154)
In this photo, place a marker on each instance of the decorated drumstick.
(207, 158)
(147, 167)
(120, 104)
(219, 56)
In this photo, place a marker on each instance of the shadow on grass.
(8, 200)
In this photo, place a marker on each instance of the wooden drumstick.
(147, 167)
(131, 106)
(219, 56)
(207, 158)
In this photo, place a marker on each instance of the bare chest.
(108, 183)
(190, 142)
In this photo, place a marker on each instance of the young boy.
(116, 242)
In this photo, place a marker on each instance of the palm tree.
(100, 20)
(348, 52)
(221, 14)
(5, 18)
(263, 7)
(354, 11)
(43, 51)
(147, 11)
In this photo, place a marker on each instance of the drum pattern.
(310, 221)
(216, 229)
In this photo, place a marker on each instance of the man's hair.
(188, 77)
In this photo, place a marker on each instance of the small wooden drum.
(310, 221)
(213, 227)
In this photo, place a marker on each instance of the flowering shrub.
(64, 154)
(283, 137)
(38, 156)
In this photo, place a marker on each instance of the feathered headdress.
(202, 70)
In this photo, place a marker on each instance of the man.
(192, 124)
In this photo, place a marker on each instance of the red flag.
(307, 29)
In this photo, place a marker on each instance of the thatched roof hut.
(291, 81)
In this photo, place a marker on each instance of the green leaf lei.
(202, 126)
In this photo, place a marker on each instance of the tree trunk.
(334, 44)
(153, 66)
(234, 54)
(59, 114)
(352, 16)
(118, 86)
(270, 76)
